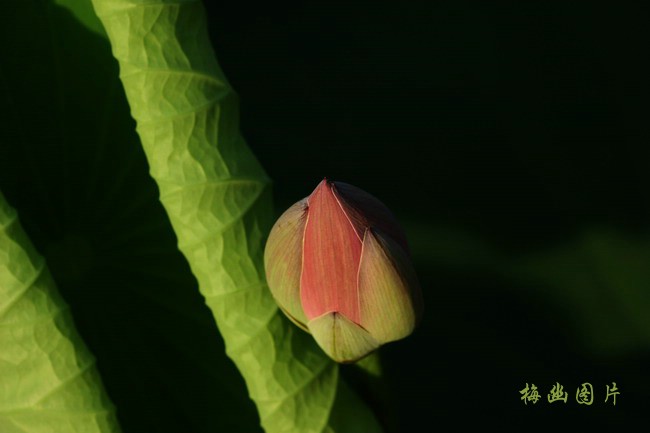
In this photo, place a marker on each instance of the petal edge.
(283, 261)
(343, 340)
(388, 289)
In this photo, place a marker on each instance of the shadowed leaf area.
(72, 165)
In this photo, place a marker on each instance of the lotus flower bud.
(337, 263)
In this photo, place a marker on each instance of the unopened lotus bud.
(337, 263)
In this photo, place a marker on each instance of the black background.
(523, 127)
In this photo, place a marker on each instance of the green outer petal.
(218, 200)
(386, 286)
(342, 339)
(283, 261)
(48, 378)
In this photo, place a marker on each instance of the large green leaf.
(71, 162)
(48, 378)
(218, 199)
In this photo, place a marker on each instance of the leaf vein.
(231, 180)
(199, 75)
(12, 220)
(299, 388)
(188, 246)
(39, 272)
(83, 370)
(263, 326)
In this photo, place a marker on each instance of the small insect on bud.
(338, 265)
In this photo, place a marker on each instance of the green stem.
(218, 199)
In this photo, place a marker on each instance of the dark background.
(510, 140)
